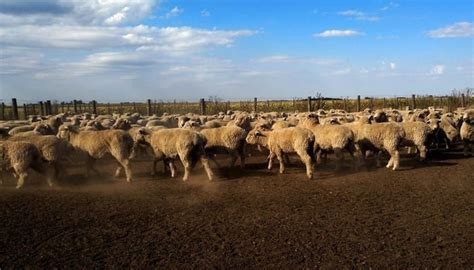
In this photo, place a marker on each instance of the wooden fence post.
(384, 104)
(413, 102)
(25, 112)
(94, 107)
(2, 111)
(202, 106)
(309, 104)
(345, 104)
(14, 109)
(148, 107)
(41, 104)
(74, 102)
(358, 103)
(48, 107)
(255, 105)
(33, 108)
(371, 103)
(463, 100)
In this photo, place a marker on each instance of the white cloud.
(460, 29)
(437, 70)
(166, 39)
(390, 5)
(205, 13)
(358, 15)
(392, 66)
(175, 11)
(73, 12)
(274, 59)
(338, 33)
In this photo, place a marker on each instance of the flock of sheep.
(45, 144)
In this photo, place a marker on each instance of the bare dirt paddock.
(421, 216)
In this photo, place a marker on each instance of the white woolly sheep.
(170, 144)
(330, 138)
(230, 139)
(96, 144)
(20, 156)
(377, 137)
(284, 141)
(53, 150)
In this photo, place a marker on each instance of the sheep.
(467, 131)
(379, 136)
(417, 134)
(241, 120)
(20, 129)
(20, 156)
(230, 139)
(446, 131)
(96, 144)
(41, 129)
(283, 141)
(169, 144)
(53, 150)
(330, 137)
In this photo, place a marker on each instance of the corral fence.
(14, 111)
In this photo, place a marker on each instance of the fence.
(14, 112)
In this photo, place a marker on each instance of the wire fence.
(13, 111)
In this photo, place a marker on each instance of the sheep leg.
(186, 165)
(172, 168)
(270, 160)
(286, 158)
(90, 166)
(153, 167)
(118, 171)
(339, 157)
(126, 165)
(207, 168)
(241, 151)
(280, 160)
(422, 150)
(307, 162)
(234, 156)
(21, 179)
(378, 155)
(318, 157)
(394, 159)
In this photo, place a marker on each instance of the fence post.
(413, 103)
(463, 100)
(384, 103)
(255, 105)
(41, 104)
(25, 112)
(94, 107)
(33, 108)
(14, 109)
(202, 106)
(358, 103)
(2, 111)
(345, 104)
(148, 107)
(371, 103)
(74, 102)
(309, 103)
(48, 107)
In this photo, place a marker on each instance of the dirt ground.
(421, 216)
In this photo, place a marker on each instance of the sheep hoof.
(19, 186)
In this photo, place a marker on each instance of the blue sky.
(137, 49)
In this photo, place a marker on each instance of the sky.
(132, 50)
